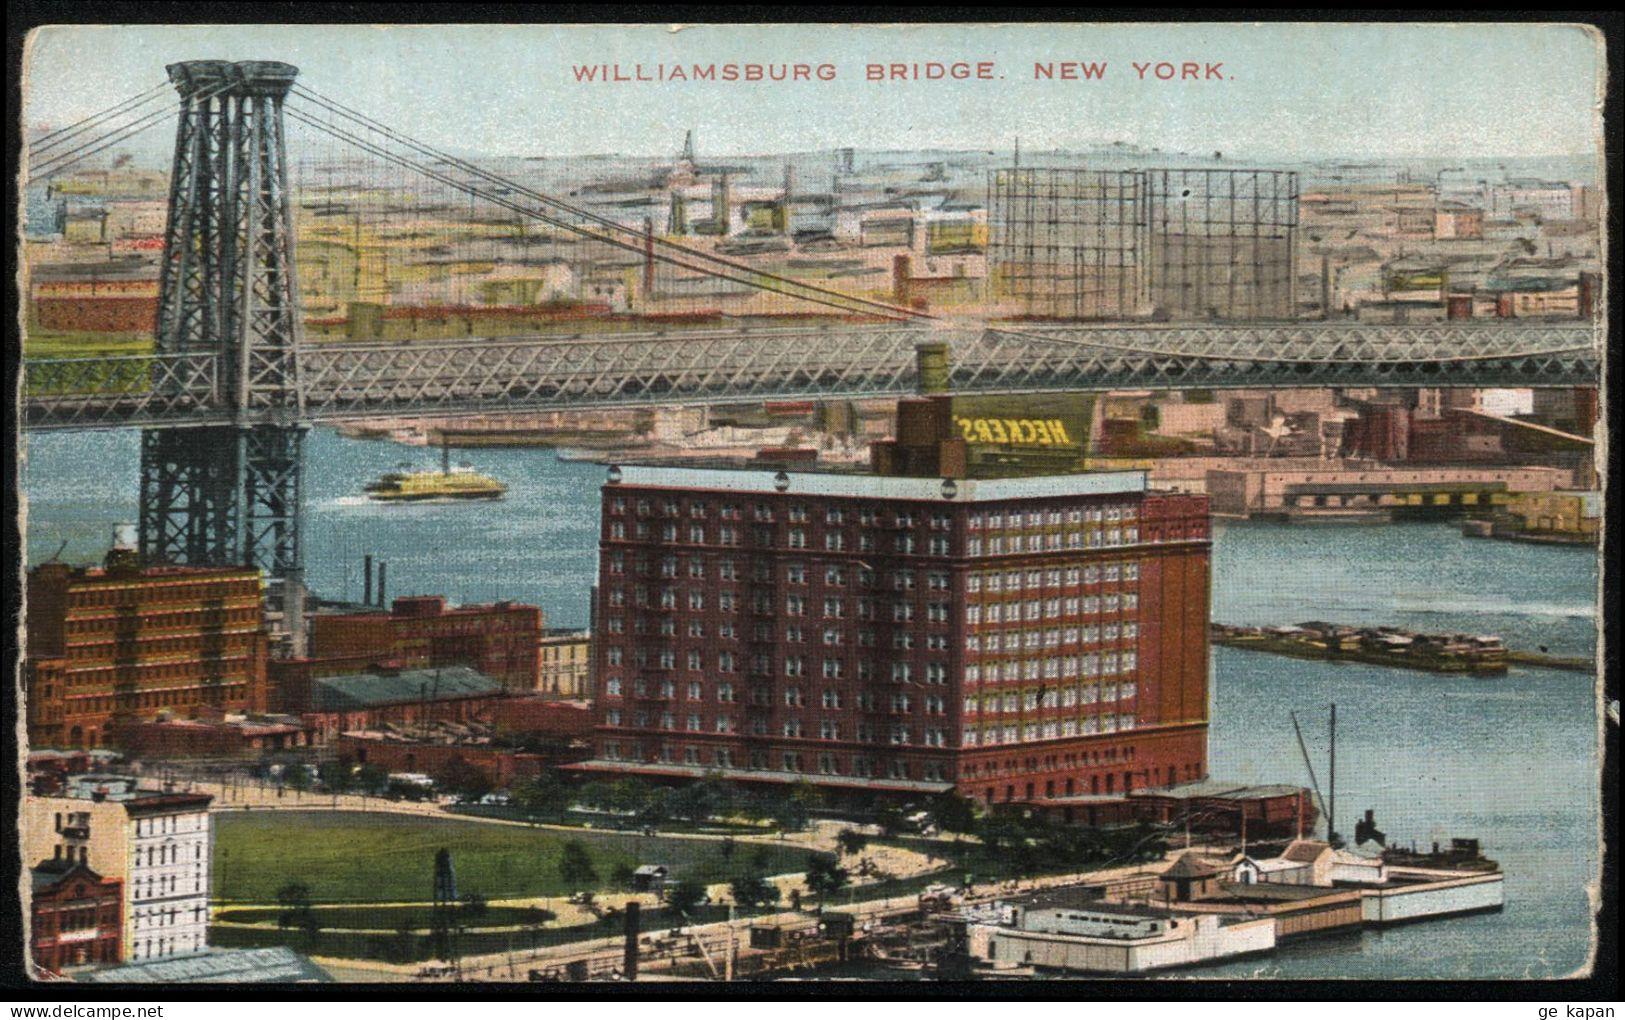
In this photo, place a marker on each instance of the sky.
(1289, 91)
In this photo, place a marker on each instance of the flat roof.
(273, 964)
(362, 690)
(882, 487)
(1218, 788)
(756, 775)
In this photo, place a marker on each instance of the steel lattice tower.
(225, 495)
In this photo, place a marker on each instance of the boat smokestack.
(366, 580)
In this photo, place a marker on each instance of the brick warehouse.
(1012, 639)
(125, 644)
(501, 640)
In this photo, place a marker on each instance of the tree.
(726, 848)
(759, 858)
(462, 780)
(753, 890)
(954, 813)
(296, 777)
(621, 874)
(890, 820)
(545, 794)
(403, 946)
(372, 777)
(852, 841)
(335, 775)
(683, 895)
(790, 814)
(825, 877)
(474, 906)
(575, 865)
(294, 899)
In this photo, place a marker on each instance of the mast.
(1331, 783)
(1310, 766)
(445, 454)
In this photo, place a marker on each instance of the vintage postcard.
(727, 503)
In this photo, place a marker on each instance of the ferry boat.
(461, 483)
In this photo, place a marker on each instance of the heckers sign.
(1014, 431)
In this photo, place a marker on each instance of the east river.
(1511, 760)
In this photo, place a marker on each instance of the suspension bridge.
(233, 381)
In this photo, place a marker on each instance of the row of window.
(999, 545)
(1068, 760)
(78, 919)
(1050, 609)
(1051, 730)
(163, 885)
(161, 825)
(794, 538)
(211, 690)
(167, 853)
(155, 622)
(798, 513)
(147, 672)
(166, 947)
(827, 729)
(149, 593)
(162, 918)
(1048, 697)
(1015, 580)
(1027, 641)
(995, 520)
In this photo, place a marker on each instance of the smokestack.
(629, 961)
(931, 367)
(366, 580)
(382, 567)
(648, 256)
(124, 537)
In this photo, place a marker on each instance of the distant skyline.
(1283, 91)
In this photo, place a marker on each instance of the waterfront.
(1507, 759)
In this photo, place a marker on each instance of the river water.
(1510, 760)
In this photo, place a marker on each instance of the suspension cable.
(829, 299)
(51, 140)
(493, 178)
(55, 164)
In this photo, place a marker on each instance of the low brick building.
(77, 916)
(223, 737)
(501, 765)
(501, 640)
(403, 697)
(564, 720)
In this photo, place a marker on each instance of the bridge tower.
(230, 494)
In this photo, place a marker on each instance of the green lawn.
(415, 946)
(374, 916)
(354, 857)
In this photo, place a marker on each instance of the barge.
(1383, 646)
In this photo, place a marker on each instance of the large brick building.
(123, 644)
(1013, 640)
(501, 640)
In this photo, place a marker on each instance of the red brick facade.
(1011, 640)
(126, 644)
(503, 766)
(77, 917)
(501, 640)
(97, 314)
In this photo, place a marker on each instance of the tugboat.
(463, 483)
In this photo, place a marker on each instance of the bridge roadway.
(340, 380)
